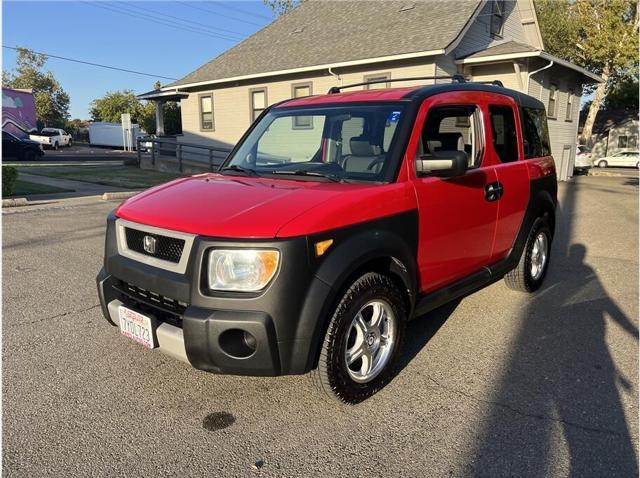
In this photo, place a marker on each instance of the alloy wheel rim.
(539, 254)
(370, 340)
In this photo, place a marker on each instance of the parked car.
(23, 149)
(624, 158)
(52, 138)
(335, 220)
(583, 161)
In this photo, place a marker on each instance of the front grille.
(163, 308)
(166, 248)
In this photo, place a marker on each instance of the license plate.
(136, 326)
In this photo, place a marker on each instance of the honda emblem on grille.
(149, 244)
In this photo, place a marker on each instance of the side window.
(206, 112)
(553, 100)
(258, 98)
(298, 91)
(503, 131)
(454, 128)
(535, 133)
(497, 18)
(622, 141)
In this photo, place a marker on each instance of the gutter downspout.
(335, 75)
(529, 75)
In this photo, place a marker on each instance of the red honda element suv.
(335, 220)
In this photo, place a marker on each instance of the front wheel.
(362, 341)
(534, 262)
(602, 164)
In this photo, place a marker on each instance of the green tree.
(601, 35)
(52, 102)
(113, 104)
(280, 7)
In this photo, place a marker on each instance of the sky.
(167, 38)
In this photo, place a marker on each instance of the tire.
(55, 146)
(603, 164)
(29, 155)
(525, 277)
(69, 144)
(371, 296)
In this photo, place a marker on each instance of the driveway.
(499, 384)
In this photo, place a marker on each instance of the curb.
(14, 202)
(611, 174)
(118, 195)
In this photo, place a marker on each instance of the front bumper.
(273, 332)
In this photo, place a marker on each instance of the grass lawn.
(24, 188)
(118, 176)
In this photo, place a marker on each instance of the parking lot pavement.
(499, 384)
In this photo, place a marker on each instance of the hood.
(228, 206)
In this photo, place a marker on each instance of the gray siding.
(446, 66)
(478, 37)
(563, 133)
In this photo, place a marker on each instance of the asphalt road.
(76, 155)
(500, 384)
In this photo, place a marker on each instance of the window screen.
(258, 102)
(503, 131)
(553, 96)
(206, 112)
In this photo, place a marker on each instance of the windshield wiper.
(302, 172)
(240, 169)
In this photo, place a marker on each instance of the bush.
(9, 176)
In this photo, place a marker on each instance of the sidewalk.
(78, 188)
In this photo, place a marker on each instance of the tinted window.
(535, 132)
(503, 130)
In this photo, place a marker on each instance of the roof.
(506, 48)
(512, 50)
(412, 93)
(320, 34)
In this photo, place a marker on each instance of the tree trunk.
(601, 91)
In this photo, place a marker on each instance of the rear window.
(536, 134)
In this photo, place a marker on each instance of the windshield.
(334, 142)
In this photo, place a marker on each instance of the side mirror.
(446, 164)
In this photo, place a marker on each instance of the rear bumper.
(220, 341)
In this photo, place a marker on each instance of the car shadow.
(561, 388)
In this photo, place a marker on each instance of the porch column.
(159, 118)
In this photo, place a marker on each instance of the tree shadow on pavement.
(561, 380)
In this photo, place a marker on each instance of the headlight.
(246, 270)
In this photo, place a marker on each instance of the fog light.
(250, 341)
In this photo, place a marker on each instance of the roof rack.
(454, 79)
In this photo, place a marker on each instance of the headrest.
(434, 145)
(360, 146)
(451, 141)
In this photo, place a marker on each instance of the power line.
(90, 63)
(198, 25)
(167, 23)
(219, 14)
(240, 10)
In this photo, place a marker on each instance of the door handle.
(493, 191)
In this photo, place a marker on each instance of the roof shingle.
(320, 32)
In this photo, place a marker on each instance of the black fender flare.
(382, 247)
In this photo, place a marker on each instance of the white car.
(52, 138)
(624, 158)
(583, 158)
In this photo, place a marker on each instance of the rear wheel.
(603, 164)
(534, 262)
(362, 341)
(55, 146)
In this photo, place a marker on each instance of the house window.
(297, 91)
(622, 141)
(497, 18)
(381, 77)
(569, 115)
(553, 97)
(258, 102)
(206, 112)
(633, 142)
